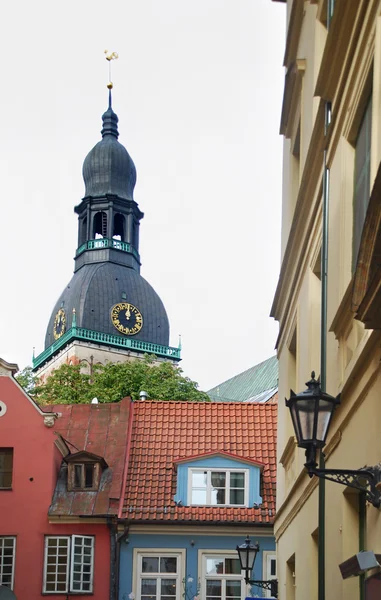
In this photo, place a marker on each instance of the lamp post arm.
(271, 584)
(367, 480)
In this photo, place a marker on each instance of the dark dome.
(108, 168)
(95, 288)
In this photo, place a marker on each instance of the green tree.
(27, 379)
(162, 381)
(114, 381)
(65, 385)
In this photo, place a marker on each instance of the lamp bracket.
(271, 584)
(367, 480)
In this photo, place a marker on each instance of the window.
(227, 487)
(362, 177)
(6, 468)
(83, 476)
(7, 561)
(69, 564)
(222, 577)
(159, 576)
(269, 568)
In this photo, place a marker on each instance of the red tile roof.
(100, 429)
(164, 431)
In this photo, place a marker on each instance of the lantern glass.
(247, 554)
(311, 413)
(304, 409)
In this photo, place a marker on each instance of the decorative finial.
(109, 57)
(179, 346)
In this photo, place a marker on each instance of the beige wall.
(89, 354)
(353, 353)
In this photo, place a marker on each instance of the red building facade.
(54, 541)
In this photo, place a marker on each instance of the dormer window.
(218, 479)
(84, 471)
(223, 487)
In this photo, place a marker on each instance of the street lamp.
(247, 554)
(311, 414)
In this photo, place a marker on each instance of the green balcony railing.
(78, 333)
(107, 243)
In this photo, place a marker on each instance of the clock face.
(59, 326)
(126, 318)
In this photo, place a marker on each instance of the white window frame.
(209, 471)
(267, 557)
(138, 575)
(203, 555)
(69, 564)
(13, 538)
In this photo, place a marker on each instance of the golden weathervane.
(110, 56)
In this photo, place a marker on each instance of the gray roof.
(95, 288)
(108, 168)
(257, 384)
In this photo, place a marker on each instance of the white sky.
(198, 91)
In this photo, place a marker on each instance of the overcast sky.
(198, 91)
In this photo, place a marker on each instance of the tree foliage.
(114, 381)
(27, 379)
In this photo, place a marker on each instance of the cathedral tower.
(107, 312)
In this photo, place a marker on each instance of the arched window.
(100, 225)
(119, 227)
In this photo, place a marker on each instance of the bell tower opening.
(119, 228)
(100, 225)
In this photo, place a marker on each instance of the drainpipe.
(323, 355)
(112, 525)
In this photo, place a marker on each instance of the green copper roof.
(249, 385)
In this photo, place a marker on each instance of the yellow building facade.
(331, 123)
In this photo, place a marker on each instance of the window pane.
(237, 496)
(217, 497)
(168, 564)
(78, 476)
(237, 480)
(7, 558)
(198, 496)
(89, 476)
(168, 587)
(232, 566)
(213, 588)
(199, 480)
(214, 566)
(148, 587)
(218, 479)
(81, 572)
(273, 567)
(56, 564)
(233, 589)
(150, 564)
(6, 467)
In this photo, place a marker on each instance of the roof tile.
(163, 432)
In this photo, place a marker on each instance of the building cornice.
(305, 214)
(293, 32)
(340, 43)
(291, 96)
(214, 530)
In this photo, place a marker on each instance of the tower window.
(100, 225)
